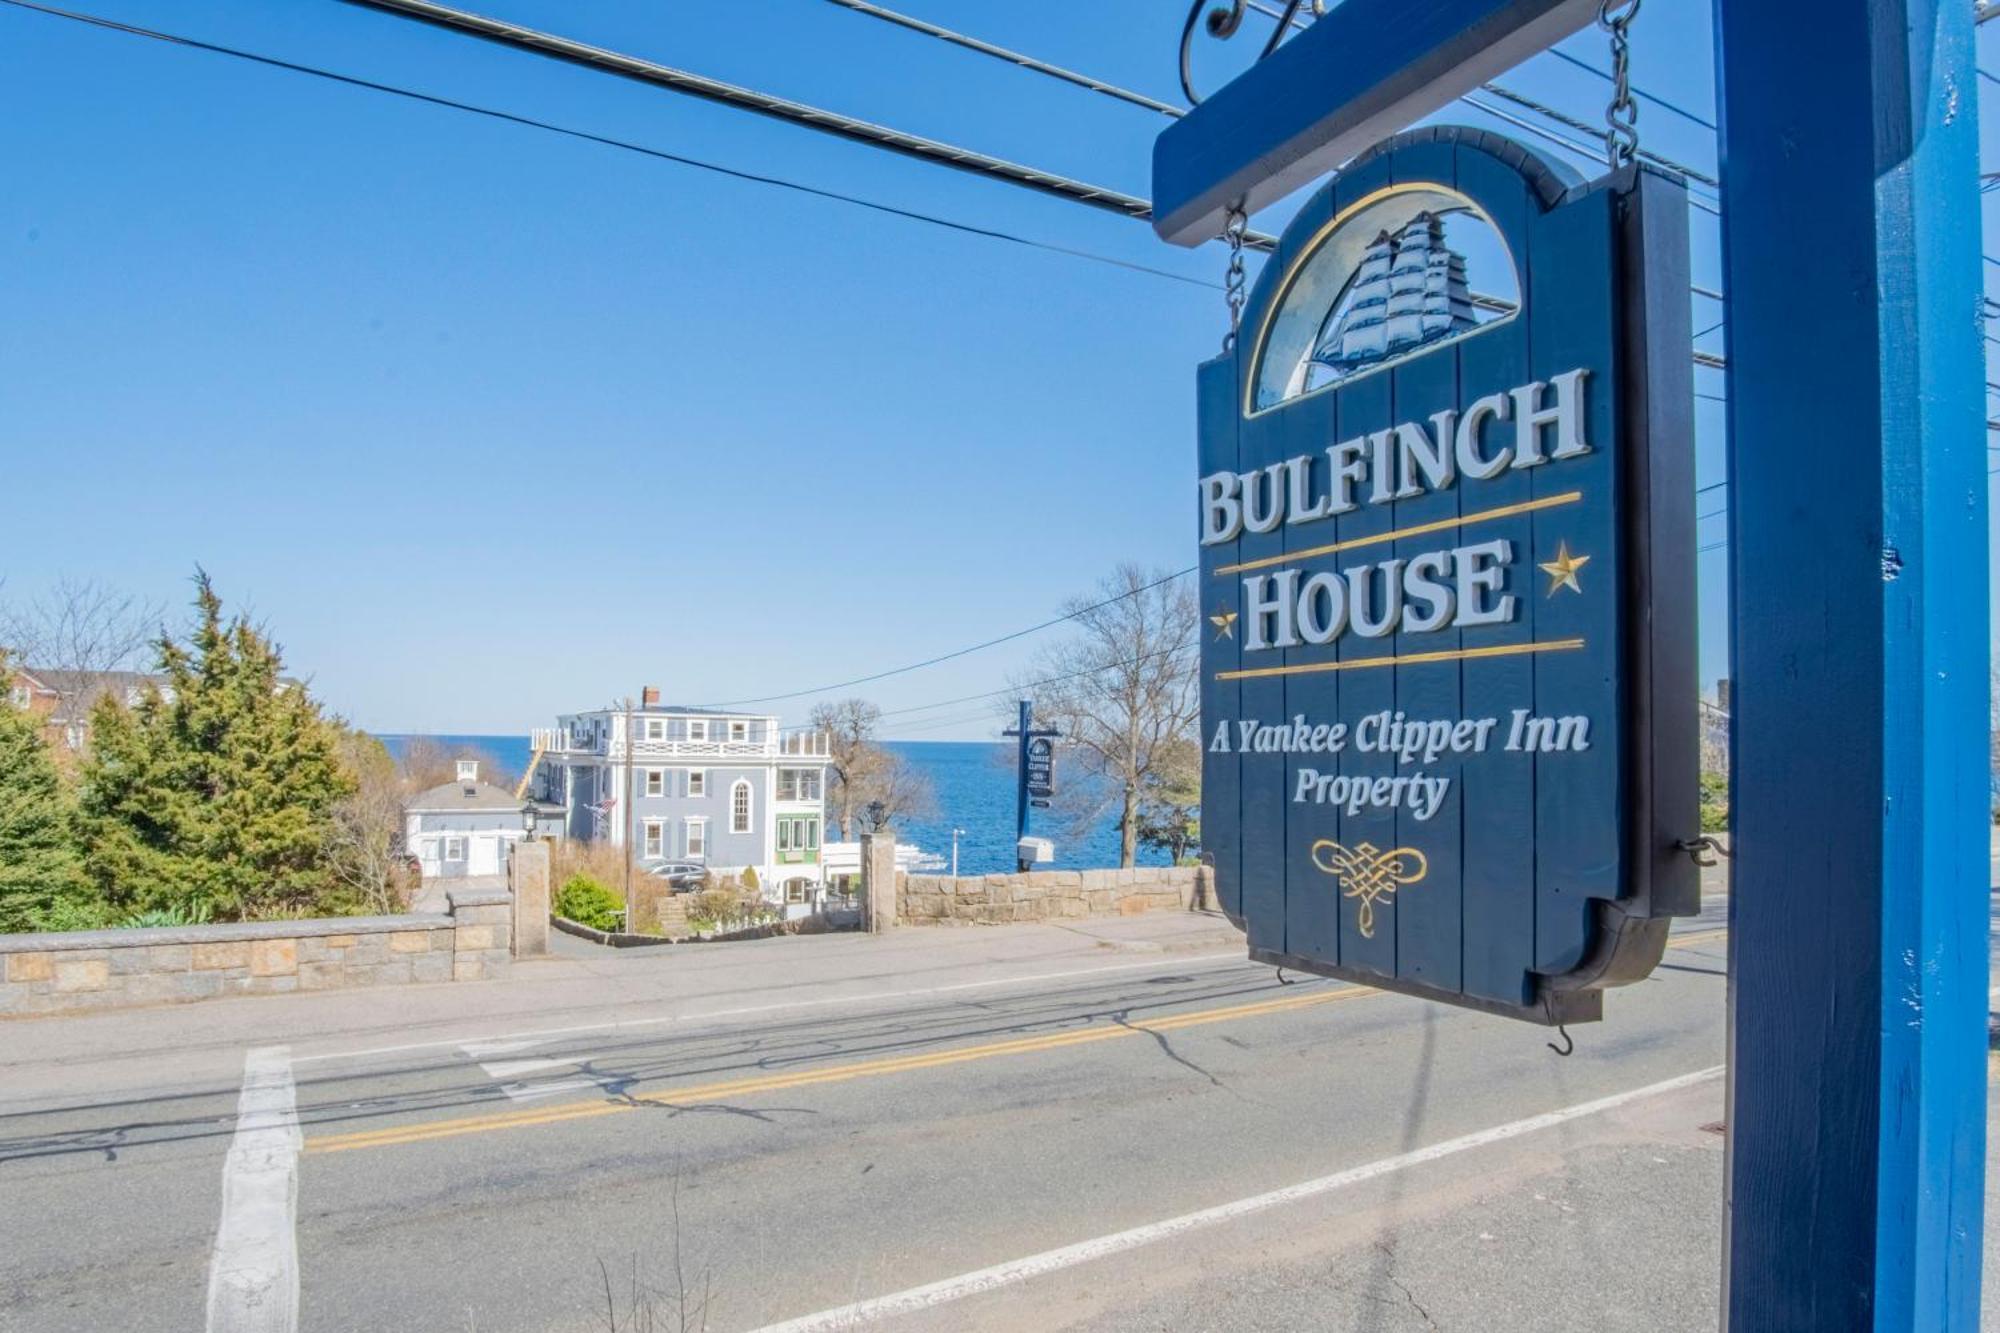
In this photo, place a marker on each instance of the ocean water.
(973, 787)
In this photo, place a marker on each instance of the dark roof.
(691, 710)
(450, 796)
(75, 682)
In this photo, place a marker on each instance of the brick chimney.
(649, 697)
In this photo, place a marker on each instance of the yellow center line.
(1437, 525)
(899, 1064)
(438, 1129)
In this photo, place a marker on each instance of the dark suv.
(679, 875)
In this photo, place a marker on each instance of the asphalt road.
(785, 1157)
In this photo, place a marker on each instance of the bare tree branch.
(1123, 689)
(865, 780)
(80, 632)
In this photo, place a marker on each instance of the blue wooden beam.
(1365, 70)
(1859, 573)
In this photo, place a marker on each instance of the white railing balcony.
(560, 740)
(713, 748)
(757, 745)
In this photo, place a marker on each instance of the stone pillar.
(482, 922)
(528, 876)
(878, 879)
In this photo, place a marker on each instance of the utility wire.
(1583, 127)
(961, 652)
(1301, 21)
(1011, 57)
(1004, 690)
(1581, 150)
(1254, 240)
(1153, 104)
(536, 42)
(679, 159)
(1585, 65)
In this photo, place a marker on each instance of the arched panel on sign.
(1399, 273)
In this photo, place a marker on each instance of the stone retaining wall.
(111, 969)
(1041, 895)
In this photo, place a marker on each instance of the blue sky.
(489, 423)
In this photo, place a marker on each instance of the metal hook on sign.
(1569, 1043)
(1704, 850)
(1282, 981)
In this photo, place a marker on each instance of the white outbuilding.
(463, 827)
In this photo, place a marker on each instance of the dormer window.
(468, 771)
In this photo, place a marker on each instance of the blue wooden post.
(1859, 559)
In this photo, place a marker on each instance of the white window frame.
(798, 891)
(21, 695)
(800, 779)
(656, 782)
(655, 728)
(742, 817)
(697, 782)
(695, 835)
(784, 835)
(697, 728)
(739, 731)
(653, 838)
(453, 840)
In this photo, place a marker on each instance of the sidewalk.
(63, 1057)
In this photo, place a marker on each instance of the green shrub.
(72, 914)
(588, 903)
(1714, 802)
(191, 914)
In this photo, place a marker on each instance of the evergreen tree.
(215, 792)
(41, 878)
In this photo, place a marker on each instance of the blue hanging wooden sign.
(1446, 526)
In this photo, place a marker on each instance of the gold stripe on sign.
(1439, 525)
(1404, 659)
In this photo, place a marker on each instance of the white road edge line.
(253, 1275)
(1049, 1261)
(1167, 963)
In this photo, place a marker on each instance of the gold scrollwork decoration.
(1368, 873)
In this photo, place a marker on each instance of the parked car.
(679, 875)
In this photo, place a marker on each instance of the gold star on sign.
(1224, 621)
(1562, 570)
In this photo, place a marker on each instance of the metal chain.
(1621, 117)
(1235, 284)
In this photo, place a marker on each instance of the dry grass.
(599, 860)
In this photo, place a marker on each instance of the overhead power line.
(960, 652)
(1011, 57)
(516, 37)
(1301, 21)
(1005, 690)
(607, 141)
(1637, 91)
(1154, 104)
(1583, 127)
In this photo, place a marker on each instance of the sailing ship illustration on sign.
(1408, 292)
